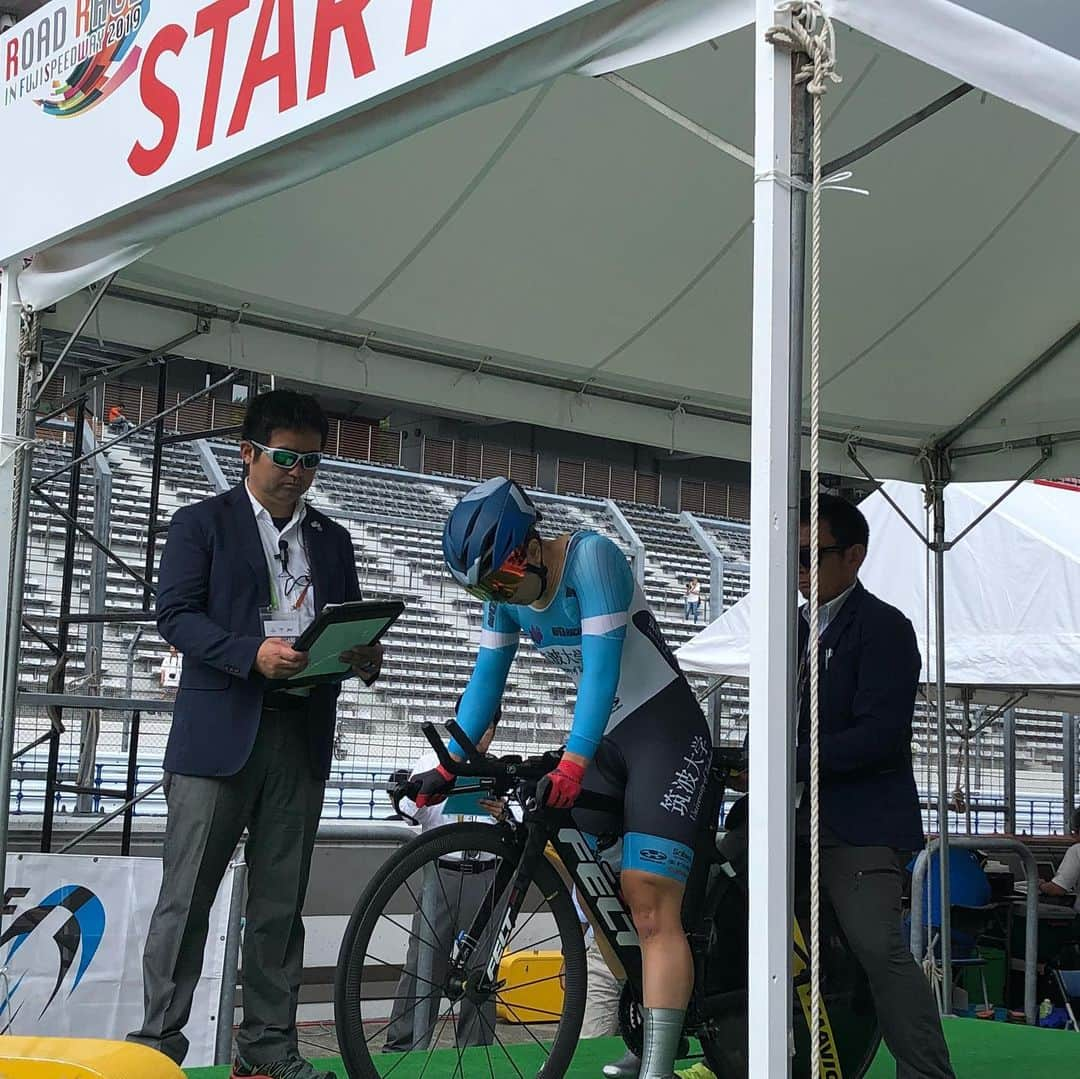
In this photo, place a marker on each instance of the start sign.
(161, 93)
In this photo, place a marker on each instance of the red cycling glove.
(434, 786)
(560, 788)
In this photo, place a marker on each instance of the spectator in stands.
(463, 887)
(1067, 878)
(241, 575)
(692, 600)
(118, 421)
(169, 671)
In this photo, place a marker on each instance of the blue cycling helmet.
(485, 528)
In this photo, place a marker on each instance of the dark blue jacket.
(869, 667)
(213, 581)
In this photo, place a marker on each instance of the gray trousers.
(278, 800)
(865, 886)
(454, 899)
(601, 1018)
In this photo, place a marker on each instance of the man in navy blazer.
(241, 576)
(868, 673)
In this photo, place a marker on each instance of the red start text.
(337, 23)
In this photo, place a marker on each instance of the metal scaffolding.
(77, 629)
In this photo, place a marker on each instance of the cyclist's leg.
(668, 750)
(606, 775)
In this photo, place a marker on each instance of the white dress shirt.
(283, 597)
(828, 611)
(1068, 874)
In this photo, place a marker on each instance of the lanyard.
(276, 599)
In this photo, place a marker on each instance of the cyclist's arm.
(605, 589)
(498, 643)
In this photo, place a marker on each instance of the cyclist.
(637, 733)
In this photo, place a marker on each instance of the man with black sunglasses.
(242, 575)
(871, 818)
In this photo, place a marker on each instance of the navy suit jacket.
(869, 667)
(213, 581)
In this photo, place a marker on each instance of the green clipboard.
(339, 627)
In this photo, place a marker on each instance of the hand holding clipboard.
(339, 629)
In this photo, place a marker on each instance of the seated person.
(1067, 879)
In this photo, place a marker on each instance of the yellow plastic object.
(533, 987)
(81, 1058)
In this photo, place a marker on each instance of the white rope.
(811, 32)
(17, 444)
(793, 183)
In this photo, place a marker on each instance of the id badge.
(284, 624)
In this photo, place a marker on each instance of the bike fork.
(503, 911)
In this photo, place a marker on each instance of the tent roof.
(567, 234)
(1012, 590)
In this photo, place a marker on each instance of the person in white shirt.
(169, 671)
(1067, 879)
(465, 882)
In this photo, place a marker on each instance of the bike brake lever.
(404, 790)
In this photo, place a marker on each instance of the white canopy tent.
(1012, 591)
(584, 259)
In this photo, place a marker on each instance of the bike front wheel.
(431, 962)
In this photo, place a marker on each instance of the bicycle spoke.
(506, 1053)
(527, 1026)
(525, 1007)
(391, 966)
(390, 1022)
(434, 1044)
(534, 945)
(537, 981)
(404, 928)
(487, 1045)
(420, 910)
(520, 928)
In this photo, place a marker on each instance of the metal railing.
(1031, 926)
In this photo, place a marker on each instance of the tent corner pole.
(938, 483)
(11, 538)
(775, 443)
(1068, 757)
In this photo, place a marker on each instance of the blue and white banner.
(71, 944)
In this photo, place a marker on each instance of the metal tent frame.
(776, 432)
(85, 450)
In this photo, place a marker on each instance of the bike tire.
(360, 1053)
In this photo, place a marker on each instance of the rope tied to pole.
(811, 34)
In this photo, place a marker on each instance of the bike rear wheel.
(851, 1034)
(403, 985)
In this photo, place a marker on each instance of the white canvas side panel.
(989, 54)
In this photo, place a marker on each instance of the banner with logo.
(72, 939)
(104, 103)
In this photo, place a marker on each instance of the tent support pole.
(1068, 757)
(1008, 768)
(967, 761)
(937, 486)
(385, 346)
(13, 537)
(774, 439)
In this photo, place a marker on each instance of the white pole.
(771, 559)
(9, 417)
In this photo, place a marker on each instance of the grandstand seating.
(395, 520)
